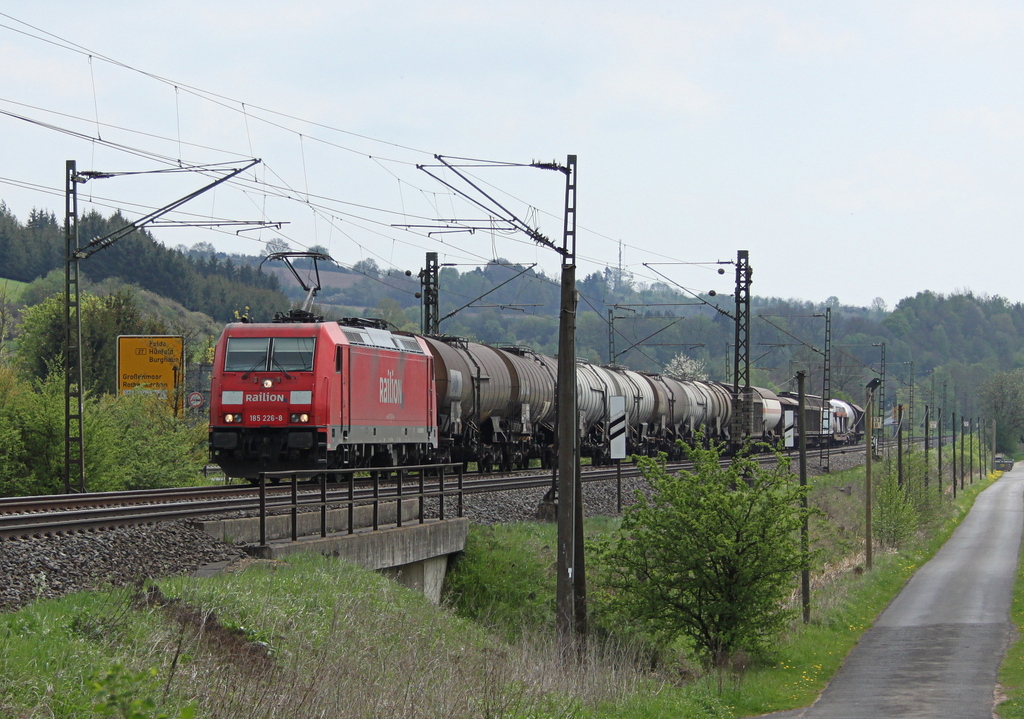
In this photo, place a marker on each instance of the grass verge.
(809, 655)
(507, 583)
(1011, 671)
(310, 637)
(318, 637)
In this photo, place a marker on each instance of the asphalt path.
(935, 651)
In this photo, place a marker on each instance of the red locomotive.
(308, 394)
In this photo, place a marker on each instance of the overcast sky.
(862, 150)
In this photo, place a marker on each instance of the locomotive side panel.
(388, 397)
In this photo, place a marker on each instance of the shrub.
(710, 558)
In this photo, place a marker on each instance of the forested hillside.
(212, 285)
(946, 347)
(949, 343)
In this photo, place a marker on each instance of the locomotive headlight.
(268, 383)
(232, 419)
(299, 418)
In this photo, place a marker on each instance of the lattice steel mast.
(742, 400)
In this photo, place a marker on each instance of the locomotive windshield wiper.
(281, 366)
(261, 360)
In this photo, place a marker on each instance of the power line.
(265, 114)
(245, 109)
(223, 100)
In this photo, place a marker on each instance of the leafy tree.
(41, 339)
(391, 312)
(131, 441)
(709, 558)
(276, 244)
(1002, 399)
(683, 367)
(47, 285)
(202, 250)
(367, 267)
(896, 517)
(136, 442)
(8, 319)
(14, 396)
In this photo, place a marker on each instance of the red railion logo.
(390, 389)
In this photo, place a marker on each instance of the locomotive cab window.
(246, 354)
(265, 354)
(293, 354)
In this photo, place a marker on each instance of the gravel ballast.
(48, 567)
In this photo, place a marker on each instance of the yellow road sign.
(152, 364)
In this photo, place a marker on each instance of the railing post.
(376, 500)
(323, 504)
(423, 470)
(263, 509)
(295, 508)
(351, 500)
(460, 490)
(440, 490)
(398, 504)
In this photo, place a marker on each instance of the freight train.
(302, 393)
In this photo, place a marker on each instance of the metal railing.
(395, 490)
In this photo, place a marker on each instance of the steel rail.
(59, 514)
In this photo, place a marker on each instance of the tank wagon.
(301, 393)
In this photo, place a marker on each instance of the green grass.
(311, 637)
(12, 288)
(1011, 672)
(274, 640)
(511, 570)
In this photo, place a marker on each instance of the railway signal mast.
(429, 292)
(571, 583)
(74, 446)
(742, 394)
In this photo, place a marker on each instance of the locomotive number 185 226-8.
(266, 418)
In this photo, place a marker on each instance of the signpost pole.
(617, 439)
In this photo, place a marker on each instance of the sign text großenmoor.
(152, 364)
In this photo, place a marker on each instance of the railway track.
(23, 517)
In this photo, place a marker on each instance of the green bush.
(131, 441)
(896, 517)
(505, 577)
(118, 693)
(709, 559)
